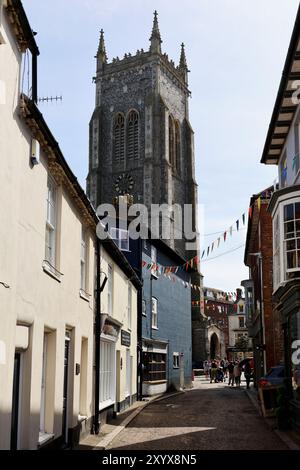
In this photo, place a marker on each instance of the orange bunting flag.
(250, 212)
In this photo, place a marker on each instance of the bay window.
(291, 218)
(286, 241)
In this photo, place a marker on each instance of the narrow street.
(210, 417)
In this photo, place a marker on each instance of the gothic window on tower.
(132, 143)
(177, 147)
(119, 138)
(171, 142)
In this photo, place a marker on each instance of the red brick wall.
(264, 244)
(221, 319)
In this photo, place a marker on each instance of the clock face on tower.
(124, 184)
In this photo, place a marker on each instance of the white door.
(107, 373)
(128, 373)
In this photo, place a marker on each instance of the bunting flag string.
(239, 222)
(168, 273)
(193, 262)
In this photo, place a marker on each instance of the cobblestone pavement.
(209, 417)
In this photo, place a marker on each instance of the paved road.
(211, 416)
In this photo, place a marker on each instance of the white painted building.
(47, 275)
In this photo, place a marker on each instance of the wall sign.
(125, 338)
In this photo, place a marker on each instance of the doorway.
(66, 387)
(15, 403)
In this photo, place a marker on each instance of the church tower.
(141, 140)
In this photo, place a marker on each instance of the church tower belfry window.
(132, 137)
(119, 138)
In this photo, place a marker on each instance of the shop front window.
(154, 367)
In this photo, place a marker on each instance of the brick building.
(217, 306)
(262, 319)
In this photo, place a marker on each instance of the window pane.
(289, 212)
(290, 245)
(291, 259)
(297, 210)
(289, 229)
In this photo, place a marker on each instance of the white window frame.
(110, 289)
(120, 237)
(128, 374)
(294, 238)
(175, 360)
(154, 260)
(154, 313)
(144, 308)
(83, 260)
(276, 250)
(51, 223)
(129, 305)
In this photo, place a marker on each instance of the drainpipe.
(99, 289)
(140, 323)
(96, 425)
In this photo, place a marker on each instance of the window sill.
(154, 328)
(50, 272)
(84, 296)
(175, 367)
(44, 438)
(144, 314)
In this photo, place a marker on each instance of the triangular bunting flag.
(259, 203)
(237, 225)
(225, 235)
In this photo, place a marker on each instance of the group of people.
(220, 370)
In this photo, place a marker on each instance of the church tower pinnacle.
(101, 53)
(183, 68)
(155, 38)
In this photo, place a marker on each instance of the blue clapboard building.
(166, 320)
(164, 323)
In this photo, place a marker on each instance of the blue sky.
(235, 51)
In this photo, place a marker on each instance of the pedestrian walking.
(213, 373)
(206, 369)
(247, 373)
(237, 375)
(230, 372)
(225, 368)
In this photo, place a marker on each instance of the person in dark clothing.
(230, 370)
(247, 373)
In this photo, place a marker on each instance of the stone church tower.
(141, 141)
